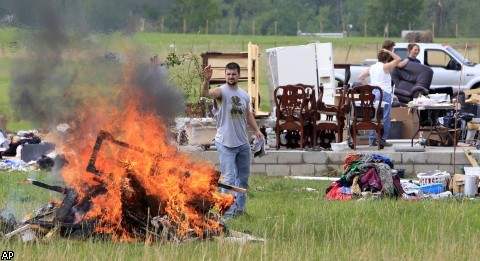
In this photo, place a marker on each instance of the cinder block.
(278, 170)
(395, 157)
(328, 170)
(290, 157)
(302, 170)
(460, 158)
(211, 156)
(315, 157)
(270, 158)
(438, 158)
(449, 168)
(258, 169)
(414, 158)
(418, 168)
(337, 158)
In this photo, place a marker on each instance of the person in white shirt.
(380, 76)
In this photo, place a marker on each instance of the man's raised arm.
(206, 91)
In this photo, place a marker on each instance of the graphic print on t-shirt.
(236, 111)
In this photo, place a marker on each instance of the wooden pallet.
(470, 158)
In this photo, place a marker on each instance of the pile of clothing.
(365, 175)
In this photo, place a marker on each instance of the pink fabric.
(371, 179)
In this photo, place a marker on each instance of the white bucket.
(471, 185)
(472, 171)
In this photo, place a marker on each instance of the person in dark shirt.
(413, 51)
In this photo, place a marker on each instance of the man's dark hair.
(233, 66)
(383, 56)
(388, 44)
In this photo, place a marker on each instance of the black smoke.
(63, 67)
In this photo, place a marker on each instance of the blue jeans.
(387, 97)
(235, 167)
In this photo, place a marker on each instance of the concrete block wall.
(319, 163)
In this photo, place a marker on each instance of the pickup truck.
(445, 62)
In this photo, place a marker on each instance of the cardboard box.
(457, 183)
(410, 121)
(410, 125)
(435, 140)
(473, 126)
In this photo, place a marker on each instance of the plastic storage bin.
(433, 188)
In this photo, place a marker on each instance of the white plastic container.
(339, 146)
(471, 185)
(472, 171)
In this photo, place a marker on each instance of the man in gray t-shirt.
(233, 114)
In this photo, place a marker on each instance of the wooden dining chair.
(329, 117)
(290, 102)
(366, 112)
(309, 114)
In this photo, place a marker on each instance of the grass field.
(297, 225)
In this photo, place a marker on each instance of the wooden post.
(365, 28)
(161, 25)
(410, 26)
(206, 27)
(433, 30)
(230, 28)
(456, 30)
(348, 52)
(253, 28)
(298, 27)
(184, 25)
(275, 27)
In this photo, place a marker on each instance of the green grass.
(297, 225)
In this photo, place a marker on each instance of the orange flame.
(131, 181)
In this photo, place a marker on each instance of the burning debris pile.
(132, 205)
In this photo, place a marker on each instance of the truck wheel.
(476, 86)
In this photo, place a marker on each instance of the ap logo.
(7, 255)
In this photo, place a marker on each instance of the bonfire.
(125, 179)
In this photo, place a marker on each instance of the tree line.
(445, 18)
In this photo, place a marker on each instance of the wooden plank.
(470, 158)
(221, 62)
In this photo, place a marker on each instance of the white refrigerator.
(310, 64)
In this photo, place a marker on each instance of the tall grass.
(297, 225)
